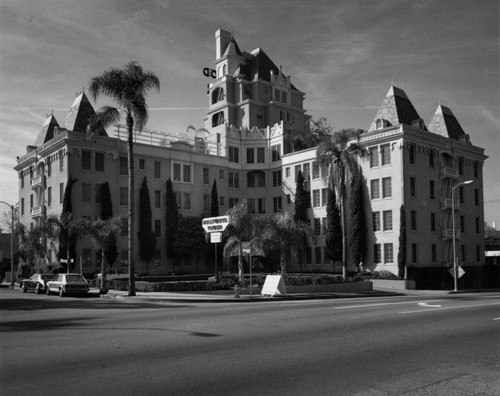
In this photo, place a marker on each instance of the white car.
(67, 284)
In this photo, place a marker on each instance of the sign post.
(215, 226)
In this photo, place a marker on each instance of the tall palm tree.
(337, 160)
(128, 88)
(102, 233)
(283, 233)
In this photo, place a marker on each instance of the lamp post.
(11, 243)
(455, 266)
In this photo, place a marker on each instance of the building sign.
(274, 285)
(209, 72)
(215, 224)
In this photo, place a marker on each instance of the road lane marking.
(496, 318)
(423, 304)
(381, 304)
(445, 308)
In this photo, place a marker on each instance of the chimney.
(222, 39)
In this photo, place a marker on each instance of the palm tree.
(102, 233)
(127, 87)
(65, 228)
(283, 233)
(337, 159)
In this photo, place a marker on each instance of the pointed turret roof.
(397, 109)
(232, 48)
(47, 131)
(444, 123)
(79, 115)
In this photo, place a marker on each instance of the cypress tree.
(358, 226)
(333, 237)
(214, 201)
(172, 219)
(402, 243)
(67, 240)
(147, 239)
(302, 200)
(107, 213)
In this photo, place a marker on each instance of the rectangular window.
(86, 258)
(124, 226)
(276, 152)
(476, 197)
(261, 203)
(377, 253)
(49, 171)
(277, 178)
(376, 221)
(123, 166)
(233, 202)
(178, 199)
(433, 253)
(432, 188)
(462, 253)
(412, 154)
(386, 187)
(251, 206)
(186, 173)
(206, 203)
(476, 170)
(234, 154)
(49, 196)
(86, 160)
(99, 162)
(431, 159)
(157, 228)
(206, 176)
(324, 196)
(297, 170)
(308, 255)
(31, 201)
(221, 174)
(315, 169)
(317, 227)
(413, 220)
(277, 96)
(388, 253)
(158, 257)
(387, 220)
(316, 198)
(22, 206)
(386, 154)
(86, 193)
(177, 172)
(123, 196)
(478, 225)
(462, 224)
(277, 205)
(157, 169)
(478, 253)
(250, 156)
(414, 258)
(433, 222)
(187, 201)
(142, 164)
(157, 199)
(460, 166)
(222, 200)
(317, 255)
(283, 96)
(413, 187)
(375, 189)
(61, 161)
(22, 178)
(306, 172)
(287, 172)
(461, 194)
(61, 192)
(374, 157)
(261, 155)
(233, 180)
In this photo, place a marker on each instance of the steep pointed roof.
(79, 114)
(47, 131)
(396, 109)
(445, 123)
(232, 48)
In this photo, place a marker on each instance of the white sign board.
(274, 285)
(215, 224)
(215, 237)
(460, 272)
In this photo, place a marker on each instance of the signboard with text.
(215, 224)
(274, 285)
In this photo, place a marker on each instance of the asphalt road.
(420, 345)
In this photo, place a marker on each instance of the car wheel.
(61, 292)
(47, 291)
(37, 289)
(24, 289)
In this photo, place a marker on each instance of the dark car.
(36, 283)
(67, 284)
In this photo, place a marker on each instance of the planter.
(393, 284)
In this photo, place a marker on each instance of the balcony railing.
(448, 233)
(37, 182)
(447, 203)
(37, 211)
(449, 172)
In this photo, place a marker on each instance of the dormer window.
(217, 95)
(378, 124)
(218, 119)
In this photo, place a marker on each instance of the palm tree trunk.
(240, 263)
(344, 258)
(283, 264)
(131, 203)
(103, 289)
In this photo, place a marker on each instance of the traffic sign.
(460, 271)
(215, 224)
(215, 237)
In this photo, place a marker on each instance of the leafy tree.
(65, 227)
(357, 240)
(190, 240)
(67, 235)
(31, 246)
(147, 238)
(172, 220)
(102, 233)
(320, 129)
(302, 199)
(128, 88)
(106, 214)
(402, 244)
(333, 237)
(336, 158)
(214, 201)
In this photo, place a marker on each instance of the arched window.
(256, 179)
(224, 70)
(217, 95)
(378, 124)
(218, 119)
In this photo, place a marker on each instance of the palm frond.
(104, 118)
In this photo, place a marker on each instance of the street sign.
(215, 224)
(460, 272)
(273, 285)
(215, 237)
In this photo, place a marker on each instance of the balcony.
(447, 203)
(37, 211)
(38, 182)
(449, 172)
(448, 233)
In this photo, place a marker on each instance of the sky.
(344, 55)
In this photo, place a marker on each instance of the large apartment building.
(255, 141)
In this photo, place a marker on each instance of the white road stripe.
(455, 307)
(382, 304)
(423, 304)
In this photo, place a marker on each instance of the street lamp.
(455, 266)
(11, 243)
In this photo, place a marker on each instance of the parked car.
(67, 284)
(36, 283)
(115, 274)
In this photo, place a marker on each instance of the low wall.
(331, 288)
(393, 284)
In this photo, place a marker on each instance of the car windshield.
(47, 277)
(74, 278)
